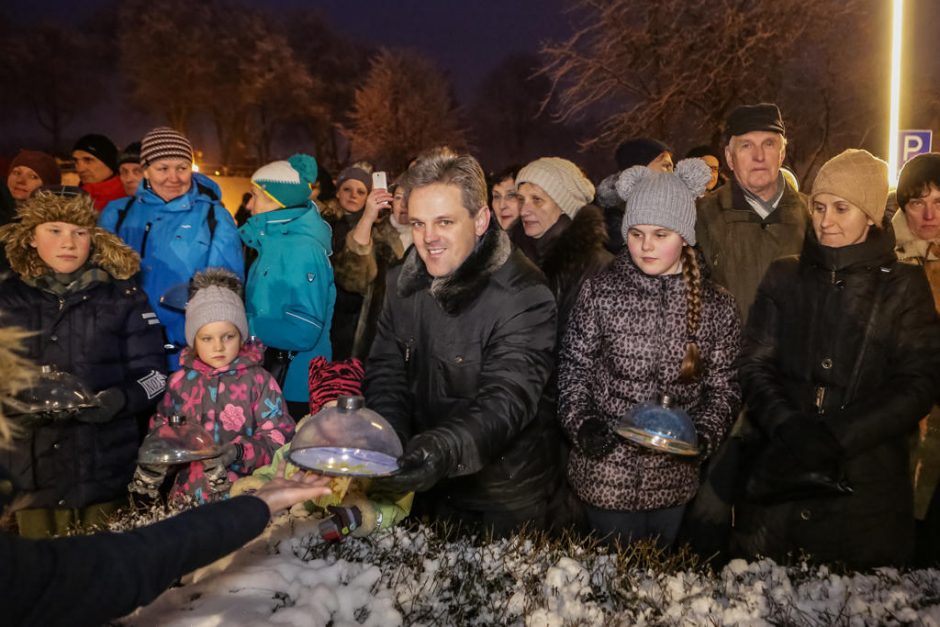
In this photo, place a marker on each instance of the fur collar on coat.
(458, 290)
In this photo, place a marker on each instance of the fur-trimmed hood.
(907, 245)
(108, 252)
(459, 289)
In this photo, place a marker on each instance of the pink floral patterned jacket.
(240, 404)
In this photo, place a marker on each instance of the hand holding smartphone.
(379, 180)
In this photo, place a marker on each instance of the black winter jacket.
(568, 253)
(470, 353)
(848, 336)
(107, 336)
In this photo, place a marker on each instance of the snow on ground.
(288, 577)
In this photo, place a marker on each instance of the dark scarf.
(65, 283)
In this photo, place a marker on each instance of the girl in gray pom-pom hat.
(222, 386)
(649, 325)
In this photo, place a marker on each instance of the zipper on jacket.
(61, 303)
(143, 243)
(408, 345)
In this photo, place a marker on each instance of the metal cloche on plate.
(661, 427)
(347, 440)
(55, 393)
(177, 441)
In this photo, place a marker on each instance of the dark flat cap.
(759, 117)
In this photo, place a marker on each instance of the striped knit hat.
(164, 143)
(287, 182)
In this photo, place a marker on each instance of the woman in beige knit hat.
(559, 229)
(841, 359)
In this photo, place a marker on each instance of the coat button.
(57, 446)
(53, 338)
(458, 359)
(827, 363)
(840, 284)
(62, 502)
(806, 514)
(6, 487)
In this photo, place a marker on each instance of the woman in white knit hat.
(648, 325)
(559, 229)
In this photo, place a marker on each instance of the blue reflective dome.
(661, 427)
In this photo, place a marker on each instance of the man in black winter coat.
(464, 348)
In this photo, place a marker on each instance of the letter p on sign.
(913, 143)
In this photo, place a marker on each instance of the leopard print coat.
(624, 344)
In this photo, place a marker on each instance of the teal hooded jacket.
(290, 294)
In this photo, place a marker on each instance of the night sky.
(467, 39)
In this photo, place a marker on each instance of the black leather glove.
(595, 439)
(809, 440)
(428, 458)
(110, 402)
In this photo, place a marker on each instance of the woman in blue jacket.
(290, 292)
(178, 226)
(74, 291)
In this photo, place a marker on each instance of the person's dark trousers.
(661, 525)
(499, 523)
(927, 536)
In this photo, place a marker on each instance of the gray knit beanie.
(215, 295)
(665, 199)
(562, 180)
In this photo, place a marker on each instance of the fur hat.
(42, 164)
(102, 148)
(287, 182)
(164, 142)
(860, 178)
(108, 252)
(215, 294)
(562, 180)
(665, 199)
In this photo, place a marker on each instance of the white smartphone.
(378, 180)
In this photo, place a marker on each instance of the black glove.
(344, 521)
(595, 438)
(809, 440)
(110, 402)
(427, 460)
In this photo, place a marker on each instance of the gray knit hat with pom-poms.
(287, 182)
(215, 294)
(665, 199)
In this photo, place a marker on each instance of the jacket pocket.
(459, 365)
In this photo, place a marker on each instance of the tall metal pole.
(897, 18)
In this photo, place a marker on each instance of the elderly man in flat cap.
(744, 226)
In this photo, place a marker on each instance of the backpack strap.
(210, 219)
(122, 214)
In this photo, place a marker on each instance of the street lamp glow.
(897, 15)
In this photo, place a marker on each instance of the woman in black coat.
(73, 290)
(841, 359)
